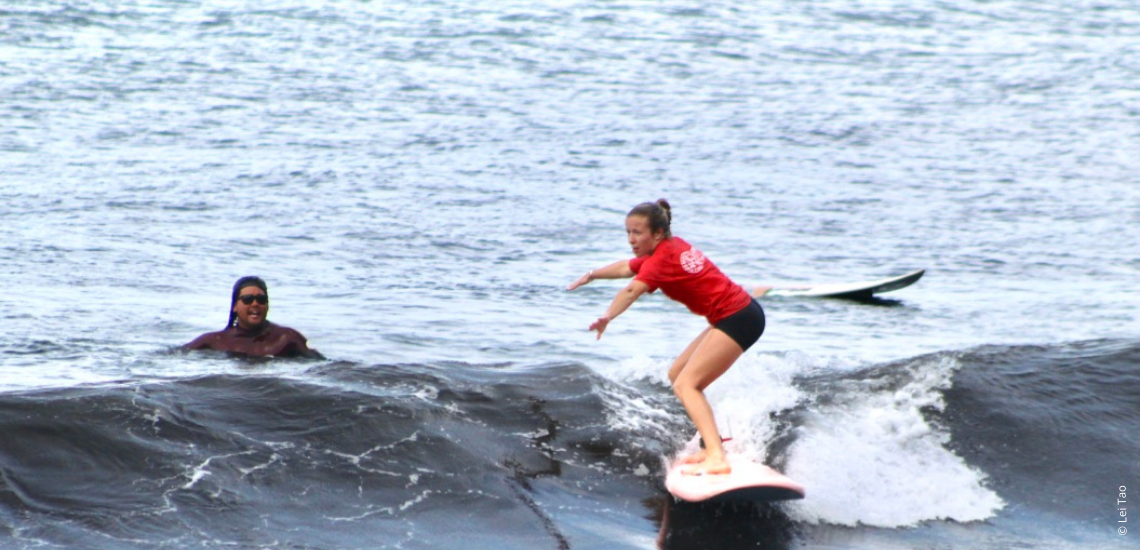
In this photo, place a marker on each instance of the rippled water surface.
(419, 181)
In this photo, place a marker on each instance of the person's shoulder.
(289, 331)
(670, 248)
(299, 342)
(204, 340)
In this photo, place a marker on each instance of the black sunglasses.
(249, 298)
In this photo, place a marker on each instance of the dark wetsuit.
(266, 340)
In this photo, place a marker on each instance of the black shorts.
(744, 326)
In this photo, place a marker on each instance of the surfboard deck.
(749, 481)
(860, 290)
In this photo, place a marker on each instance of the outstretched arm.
(625, 298)
(617, 270)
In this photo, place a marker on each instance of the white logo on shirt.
(692, 261)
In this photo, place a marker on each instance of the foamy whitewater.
(418, 183)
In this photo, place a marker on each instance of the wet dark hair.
(241, 283)
(659, 214)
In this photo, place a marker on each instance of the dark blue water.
(418, 183)
(538, 456)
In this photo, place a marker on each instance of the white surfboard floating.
(748, 481)
(863, 290)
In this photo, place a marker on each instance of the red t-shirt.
(684, 274)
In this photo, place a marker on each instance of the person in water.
(248, 332)
(683, 273)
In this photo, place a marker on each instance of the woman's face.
(252, 314)
(641, 239)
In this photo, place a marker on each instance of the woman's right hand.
(600, 326)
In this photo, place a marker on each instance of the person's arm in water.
(291, 343)
(204, 341)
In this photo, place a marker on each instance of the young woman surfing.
(683, 273)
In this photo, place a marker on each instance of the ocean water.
(418, 182)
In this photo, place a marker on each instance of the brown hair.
(659, 214)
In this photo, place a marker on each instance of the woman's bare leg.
(675, 371)
(711, 357)
(683, 359)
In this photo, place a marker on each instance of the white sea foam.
(872, 458)
(744, 399)
(863, 450)
(631, 410)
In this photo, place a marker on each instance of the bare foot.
(695, 458)
(710, 467)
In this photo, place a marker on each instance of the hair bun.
(664, 204)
